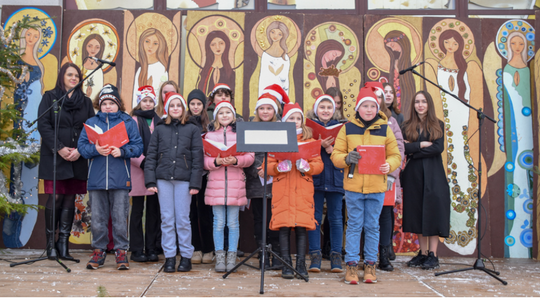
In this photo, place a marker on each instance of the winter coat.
(292, 194)
(399, 117)
(137, 173)
(109, 172)
(226, 184)
(399, 138)
(175, 153)
(354, 134)
(254, 187)
(71, 125)
(426, 194)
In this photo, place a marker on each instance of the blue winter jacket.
(331, 179)
(108, 173)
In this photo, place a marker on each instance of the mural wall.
(488, 64)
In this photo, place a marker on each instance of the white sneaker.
(197, 257)
(208, 258)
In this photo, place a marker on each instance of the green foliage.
(102, 291)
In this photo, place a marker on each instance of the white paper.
(267, 182)
(97, 129)
(266, 137)
(218, 145)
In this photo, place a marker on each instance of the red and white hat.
(378, 86)
(322, 98)
(171, 96)
(219, 86)
(367, 94)
(290, 109)
(223, 104)
(146, 91)
(278, 92)
(267, 99)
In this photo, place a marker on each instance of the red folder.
(372, 159)
(305, 151)
(390, 196)
(114, 137)
(213, 150)
(325, 132)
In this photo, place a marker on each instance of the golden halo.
(88, 27)
(374, 44)
(151, 21)
(259, 39)
(508, 28)
(200, 30)
(47, 27)
(450, 24)
(333, 31)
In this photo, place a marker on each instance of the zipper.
(225, 142)
(125, 166)
(185, 161)
(90, 168)
(107, 161)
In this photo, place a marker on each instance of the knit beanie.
(110, 92)
(197, 94)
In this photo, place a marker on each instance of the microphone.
(410, 68)
(351, 169)
(103, 61)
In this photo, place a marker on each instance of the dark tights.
(63, 201)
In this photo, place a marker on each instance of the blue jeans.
(233, 225)
(363, 211)
(113, 203)
(334, 205)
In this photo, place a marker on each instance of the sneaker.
(369, 273)
(431, 261)
(197, 257)
(231, 260)
(220, 261)
(351, 276)
(208, 258)
(97, 260)
(335, 262)
(316, 260)
(138, 256)
(121, 260)
(417, 261)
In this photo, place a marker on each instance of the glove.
(353, 157)
(284, 166)
(389, 182)
(302, 165)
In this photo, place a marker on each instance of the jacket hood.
(112, 116)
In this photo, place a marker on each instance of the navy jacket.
(331, 179)
(109, 173)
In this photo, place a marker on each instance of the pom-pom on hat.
(223, 104)
(171, 96)
(146, 91)
(219, 86)
(367, 94)
(278, 92)
(266, 99)
(379, 89)
(109, 92)
(322, 98)
(290, 109)
(197, 94)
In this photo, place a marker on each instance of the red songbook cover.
(372, 159)
(390, 196)
(305, 151)
(116, 136)
(213, 149)
(325, 132)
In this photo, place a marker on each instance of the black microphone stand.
(479, 263)
(52, 236)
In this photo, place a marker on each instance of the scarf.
(144, 129)
(367, 123)
(73, 102)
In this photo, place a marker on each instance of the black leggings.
(63, 201)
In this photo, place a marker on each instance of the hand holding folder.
(115, 137)
(306, 150)
(324, 132)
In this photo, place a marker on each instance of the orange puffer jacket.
(292, 194)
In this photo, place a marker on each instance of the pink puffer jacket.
(226, 184)
(137, 174)
(392, 122)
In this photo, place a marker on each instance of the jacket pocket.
(338, 177)
(127, 170)
(185, 161)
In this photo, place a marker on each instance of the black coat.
(71, 125)
(175, 153)
(426, 194)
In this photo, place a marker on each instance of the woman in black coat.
(71, 169)
(426, 194)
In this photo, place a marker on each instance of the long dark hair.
(226, 73)
(394, 105)
(335, 92)
(323, 48)
(101, 42)
(458, 57)
(430, 124)
(60, 80)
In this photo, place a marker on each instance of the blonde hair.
(22, 47)
(307, 132)
(217, 125)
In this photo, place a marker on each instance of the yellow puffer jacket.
(354, 134)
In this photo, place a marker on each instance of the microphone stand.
(479, 263)
(56, 108)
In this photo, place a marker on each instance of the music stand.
(265, 137)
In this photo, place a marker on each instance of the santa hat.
(266, 99)
(171, 96)
(379, 90)
(367, 94)
(219, 86)
(223, 104)
(109, 92)
(322, 98)
(278, 92)
(146, 91)
(290, 109)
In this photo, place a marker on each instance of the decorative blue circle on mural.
(504, 52)
(528, 206)
(526, 159)
(509, 241)
(505, 33)
(530, 36)
(526, 111)
(523, 29)
(530, 53)
(511, 215)
(501, 45)
(509, 166)
(509, 26)
(499, 72)
(526, 237)
(520, 23)
(530, 48)
(501, 143)
(516, 28)
(513, 190)
(500, 132)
